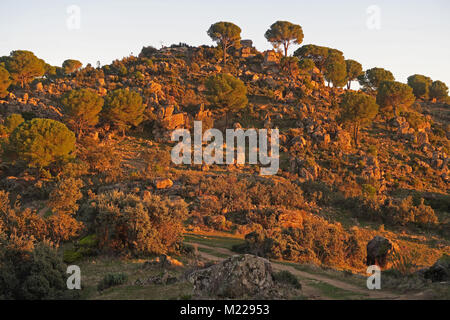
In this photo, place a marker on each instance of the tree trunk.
(224, 48)
(355, 134)
(286, 47)
(348, 85)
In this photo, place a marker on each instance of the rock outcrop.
(240, 276)
(378, 251)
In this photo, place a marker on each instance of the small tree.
(371, 79)
(41, 142)
(5, 81)
(438, 90)
(335, 69)
(226, 93)
(359, 110)
(71, 66)
(354, 70)
(420, 85)
(24, 66)
(226, 34)
(81, 108)
(123, 108)
(284, 33)
(393, 95)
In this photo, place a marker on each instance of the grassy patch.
(213, 241)
(214, 253)
(333, 292)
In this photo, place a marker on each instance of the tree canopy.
(24, 66)
(123, 108)
(420, 85)
(284, 33)
(71, 65)
(316, 53)
(438, 90)
(394, 95)
(359, 110)
(335, 69)
(226, 35)
(81, 108)
(354, 70)
(226, 93)
(41, 142)
(371, 79)
(5, 81)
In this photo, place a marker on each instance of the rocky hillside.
(339, 185)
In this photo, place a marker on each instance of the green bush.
(286, 277)
(111, 280)
(89, 241)
(70, 256)
(39, 274)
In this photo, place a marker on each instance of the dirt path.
(308, 279)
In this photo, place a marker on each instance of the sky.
(405, 37)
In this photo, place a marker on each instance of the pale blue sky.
(413, 38)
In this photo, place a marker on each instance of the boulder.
(163, 183)
(239, 276)
(378, 251)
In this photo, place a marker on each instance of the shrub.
(286, 277)
(139, 225)
(39, 274)
(70, 256)
(402, 212)
(41, 142)
(369, 190)
(317, 241)
(64, 196)
(111, 280)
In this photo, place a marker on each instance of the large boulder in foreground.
(378, 251)
(239, 276)
(440, 271)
